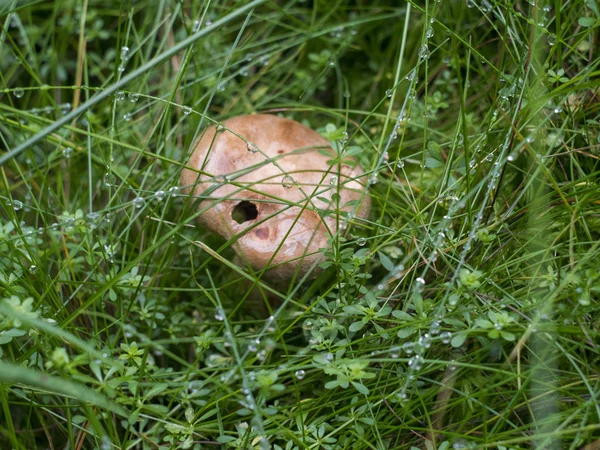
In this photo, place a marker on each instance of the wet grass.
(463, 312)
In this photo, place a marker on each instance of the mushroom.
(266, 183)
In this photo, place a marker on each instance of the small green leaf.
(459, 339)
(386, 262)
(356, 326)
(405, 332)
(360, 388)
(587, 22)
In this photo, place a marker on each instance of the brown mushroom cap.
(267, 172)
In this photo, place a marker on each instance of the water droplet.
(557, 110)
(127, 117)
(395, 352)
(424, 51)
(109, 179)
(33, 269)
(18, 93)
(416, 362)
(174, 191)
(420, 280)
(124, 53)
(67, 152)
(300, 374)
(159, 196)
(186, 110)
(400, 163)
(389, 93)
(333, 181)
(401, 396)
(361, 241)
(512, 157)
(373, 180)
(17, 205)
(446, 337)
(195, 26)
(551, 39)
(121, 68)
(219, 315)
(425, 341)
(287, 182)
(251, 148)
(133, 97)
(429, 33)
(408, 348)
(470, 3)
(65, 108)
(138, 202)
(119, 96)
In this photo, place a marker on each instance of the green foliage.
(463, 312)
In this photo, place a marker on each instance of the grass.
(463, 312)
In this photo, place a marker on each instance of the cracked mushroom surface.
(262, 181)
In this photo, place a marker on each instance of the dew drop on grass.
(446, 337)
(33, 269)
(551, 39)
(271, 324)
(470, 3)
(127, 117)
(67, 152)
(18, 93)
(394, 352)
(65, 108)
(195, 26)
(300, 374)
(186, 110)
(424, 51)
(220, 128)
(160, 196)
(333, 181)
(109, 179)
(124, 53)
(134, 97)
(138, 202)
(430, 32)
(17, 205)
(408, 348)
(287, 182)
(119, 96)
(401, 396)
(425, 341)
(251, 148)
(389, 93)
(329, 357)
(174, 191)
(219, 315)
(361, 241)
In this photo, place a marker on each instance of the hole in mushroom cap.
(244, 211)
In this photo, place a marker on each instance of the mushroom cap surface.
(265, 183)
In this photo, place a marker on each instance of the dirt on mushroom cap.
(264, 180)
